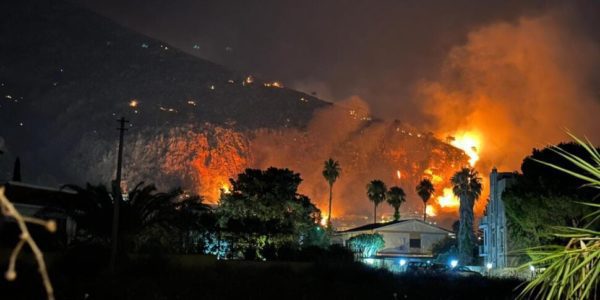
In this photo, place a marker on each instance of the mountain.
(67, 74)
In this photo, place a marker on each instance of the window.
(415, 243)
(415, 240)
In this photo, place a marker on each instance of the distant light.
(369, 261)
(488, 266)
(428, 261)
(454, 263)
(133, 103)
(402, 262)
(531, 268)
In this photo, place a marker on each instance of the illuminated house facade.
(404, 238)
(493, 224)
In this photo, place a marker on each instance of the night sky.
(378, 51)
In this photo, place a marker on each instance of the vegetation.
(376, 191)
(331, 172)
(466, 185)
(170, 221)
(264, 214)
(425, 190)
(571, 271)
(542, 197)
(366, 245)
(395, 198)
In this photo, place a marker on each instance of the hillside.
(66, 73)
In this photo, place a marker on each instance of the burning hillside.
(202, 159)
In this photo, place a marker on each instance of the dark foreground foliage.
(161, 278)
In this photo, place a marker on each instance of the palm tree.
(146, 213)
(395, 198)
(376, 191)
(425, 190)
(331, 172)
(466, 185)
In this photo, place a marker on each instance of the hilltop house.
(411, 238)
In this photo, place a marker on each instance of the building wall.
(493, 225)
(397, 238)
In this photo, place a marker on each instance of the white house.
(404, 238)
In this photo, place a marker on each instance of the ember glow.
(133, 103)
(447, 199)
(468, 142)
(430, 211)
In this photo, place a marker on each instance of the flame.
(470, 143)
(398, 174)
(225, 189)
(430, 211)
(448, 199)
(435, 179)
(323, 221)
(275, 84)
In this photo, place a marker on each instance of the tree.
(264, 212)
(395, 198)
(366, 245)
(542, 197)
(149, 219)
(466, 185)
(425, 190)
(571, 270)
(376, 191)
(331, 172)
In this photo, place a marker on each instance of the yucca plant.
(570, 271)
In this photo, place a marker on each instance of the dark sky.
(377, 50)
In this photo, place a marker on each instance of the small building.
(493, 224)
(403, 238)
(39, 202)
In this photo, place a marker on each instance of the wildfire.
(398, 174)
(225, 189)
(448, 199)
(323, 221)
(275, 84)
(430, 211)
(435, 179)
(470, 143)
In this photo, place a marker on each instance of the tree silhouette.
(425, 190)
(331, 172)
(466, 185)
(376, 191)
(395, 198)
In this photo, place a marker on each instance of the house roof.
(380, 225)
(19, 192)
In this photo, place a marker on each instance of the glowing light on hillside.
(430, 211)
(133, 103)
(470, 143)
(399, 174)
(275, 84)
(225, 189)
(435, 179)
(448, 199)
(249, 80)
(323, 221)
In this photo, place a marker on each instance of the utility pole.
(117, 194)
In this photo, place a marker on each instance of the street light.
(489, 266)
(454, 263)
(402, 262)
